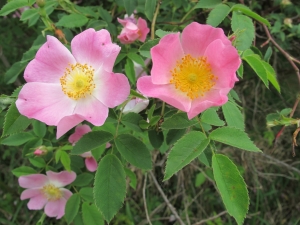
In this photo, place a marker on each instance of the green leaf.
(210, 116)
(156, 138)
(136, 94)
(28, 14)
(14, 71)
(72, 207)
(134, 151)
(83, 179)
(109, 186)
(72, 20)
(200, 179)
(184, 151)
(244, 29)
(17, 139)
(39, 128)
(244, 9)
(91, 215)
(23, 171)
(271, 74)
(91, 140)
(132, 177)
(240, 71)
(86, 193)
(160, 33)
(129, 6)
(268, 54)
(145, 48)
(150, 8)
(231, 186)
(65, 160)
(207, 4)
(105, 15)
(129, 71)
(233, 116)
(257, 65)
(38, 162)
(132, 120)
(12, 6)
(234, 137)
(218, 14)
(173, 135)
(14, 121)
(97, 24)
(136, 58)
(178, 121)
(205, 157)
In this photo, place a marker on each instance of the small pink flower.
(194, 71)
(47, 191)
(40, 151)
(63, 89)
(133, 30)
(90, 161)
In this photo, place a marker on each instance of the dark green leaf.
(132, 177)
(72, 207)
(27, 14)
(156, 138)
(91, 215)
(150, 8)
(38, 162)
(136, 58)
(39, 128)
(83, 179)
(174, 135)
(210, 116)
(129, 6)
(178, 121)
(271, 74)
(72, 20)
(13, 6)
(17, 139)
(129, 71)
(207, 4)
(23, 171)
(132, 120)
(87, 194)
(257, 65)
(233, 116)
(105, 15)
(145, 48)
(14, 71)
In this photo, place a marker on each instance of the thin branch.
(281, 163)
(4, 59)
(171, 207)
(144, 198)
(154, 20)
(210, 218)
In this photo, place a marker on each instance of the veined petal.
(196, 38)
(56, 208)
(30, 193)
(66, 193)
(95, 49)
(91, 164)
(166, 92)
(164, 57)
(142, 25)
(50, 62)
(67, 123)
(45, 102)
(38, 202)
(61, 179)
(33, 181)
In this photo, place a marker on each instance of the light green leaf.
(105, 15)
(132, 177)
(207, 4)
(65, 160)
(109, 186)
(234, 137)
(91, 141)
(160, 33)
(132, 120)
(72, 207)
(39, 128)
(97, 24)
(268, 54)
(244, 9)
(210, 116)
(218, 14)
(184, 151)
(91, 215)
(145, 48)
(38, 162)
(14, 71)
(271, 74)
(23, 171)
(232, 187)
(72, 20)
(28, 14)
(200, 179)
(86, 193)
(150, 8)
(257, 65)
(233, 116)
(240, 71)
(17, 139)
(129, 6)
(178, 121)
(14, 122)
(136, 58)
(12, 6)
(244, 29)
(134, 151)
(129, 71)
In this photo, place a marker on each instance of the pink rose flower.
(90, 162)
(63, 89)
(194, 71)
(133, 30)
(47, 191)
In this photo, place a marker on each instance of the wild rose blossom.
(133, 30)
(47, 191)
(63, 89)
(192, 72)
(90, 161)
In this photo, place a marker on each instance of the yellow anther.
(51, 192)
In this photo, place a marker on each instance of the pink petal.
(66, 193)
(86, 154)
(67, 123)
(80, 130)
(92, 110)
(56, 208)
(136, 105)
(196, 38)
(164, 58)
(112, 89)
(211, 98)
(224, 60)
(91, 164)
(144, 30)
(166, 92)
(50, 62)
(95, 49)
(33, 181)
(37, 202)
(45, 102)
(62, 178)
(30, 193)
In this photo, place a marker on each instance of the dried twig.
(144, 198)
(210, 218)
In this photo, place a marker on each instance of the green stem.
(154, 20)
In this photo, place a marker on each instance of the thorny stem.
(154, 19)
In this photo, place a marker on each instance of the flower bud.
(42, 150)
(288, 22)
(41, 3)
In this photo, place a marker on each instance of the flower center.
(51, 192)
(193, 76)
(78, 81)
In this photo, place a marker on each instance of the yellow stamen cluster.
(193, 76)
(51, 192)
(78, 81)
